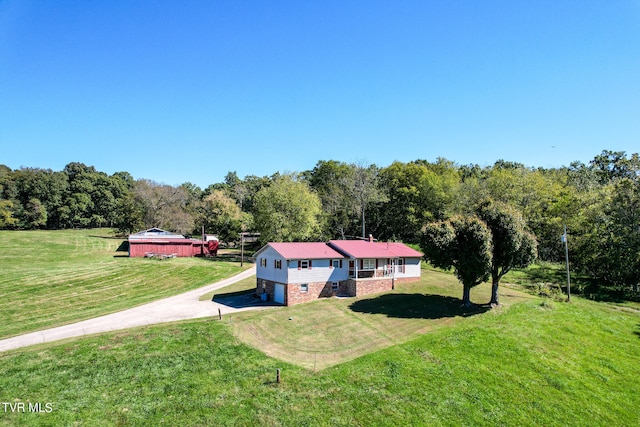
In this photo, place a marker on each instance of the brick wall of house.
(269, 287)
(372, 286)
(294, 294)
(315, 290)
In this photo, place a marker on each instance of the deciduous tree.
(364, 189)
(287, 210)
(330, 180)
(418, 192)
(463, 243)
(220, 214)
(512, 245)
(164, 206)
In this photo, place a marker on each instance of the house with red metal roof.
(294, 272)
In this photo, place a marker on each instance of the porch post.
(393, 278)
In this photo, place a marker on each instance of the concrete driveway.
(179, 307)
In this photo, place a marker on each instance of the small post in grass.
(219, 314)
(278, 375)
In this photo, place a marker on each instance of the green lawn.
(551, 364)
(408, 357)
(50, 278)
(330, 331)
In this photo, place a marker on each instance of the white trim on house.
(304, 269)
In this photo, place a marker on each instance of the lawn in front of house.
(51, 278)
(330, 331)
(538, 362)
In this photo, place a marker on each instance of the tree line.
(599, 202)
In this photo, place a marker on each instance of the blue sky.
(187, 91)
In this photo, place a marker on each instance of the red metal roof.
(305, 250)
(366, 249)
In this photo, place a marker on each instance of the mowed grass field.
(327, 332)
(408, 357)
(50, 278)
(536, 362)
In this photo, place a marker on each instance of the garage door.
(278, 293)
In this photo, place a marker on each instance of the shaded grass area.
(555, 364)
(327, 332)
(50, 278)
(416, 306)
(548, 272)
(554, 275)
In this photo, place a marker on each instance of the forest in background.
(599, 202)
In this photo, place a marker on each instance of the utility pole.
(241, 249)
(566, 253)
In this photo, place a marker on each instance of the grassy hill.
(531, 364)
(327, 332)
(409, 357)
(50, 278)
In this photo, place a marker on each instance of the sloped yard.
(51, 278)
(326, 332)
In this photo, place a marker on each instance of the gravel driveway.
(179, 307)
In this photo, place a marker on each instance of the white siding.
(320, 271)
(411, 268)
(269, 272)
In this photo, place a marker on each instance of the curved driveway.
(179, 307)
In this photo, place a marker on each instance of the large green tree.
(7, 220)
(512, 245)
(330, 180)
(220, 214)
(463, 243)
(608, 246)
(418, 192)
(287, 210)
(164, 206)
(365, 190)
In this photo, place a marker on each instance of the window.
(334, 286)
(263, 262)
(368, 264)
(336, 263)
(305, 263)
(304, 287)
(277, 263)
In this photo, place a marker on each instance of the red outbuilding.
(161, 243)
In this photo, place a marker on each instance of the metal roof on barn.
(155, 233)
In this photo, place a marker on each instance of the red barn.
(157, 242)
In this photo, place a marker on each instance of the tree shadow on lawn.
(417, 306)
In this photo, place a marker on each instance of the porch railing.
(381, 272)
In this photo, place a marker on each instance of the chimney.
(370, 238)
